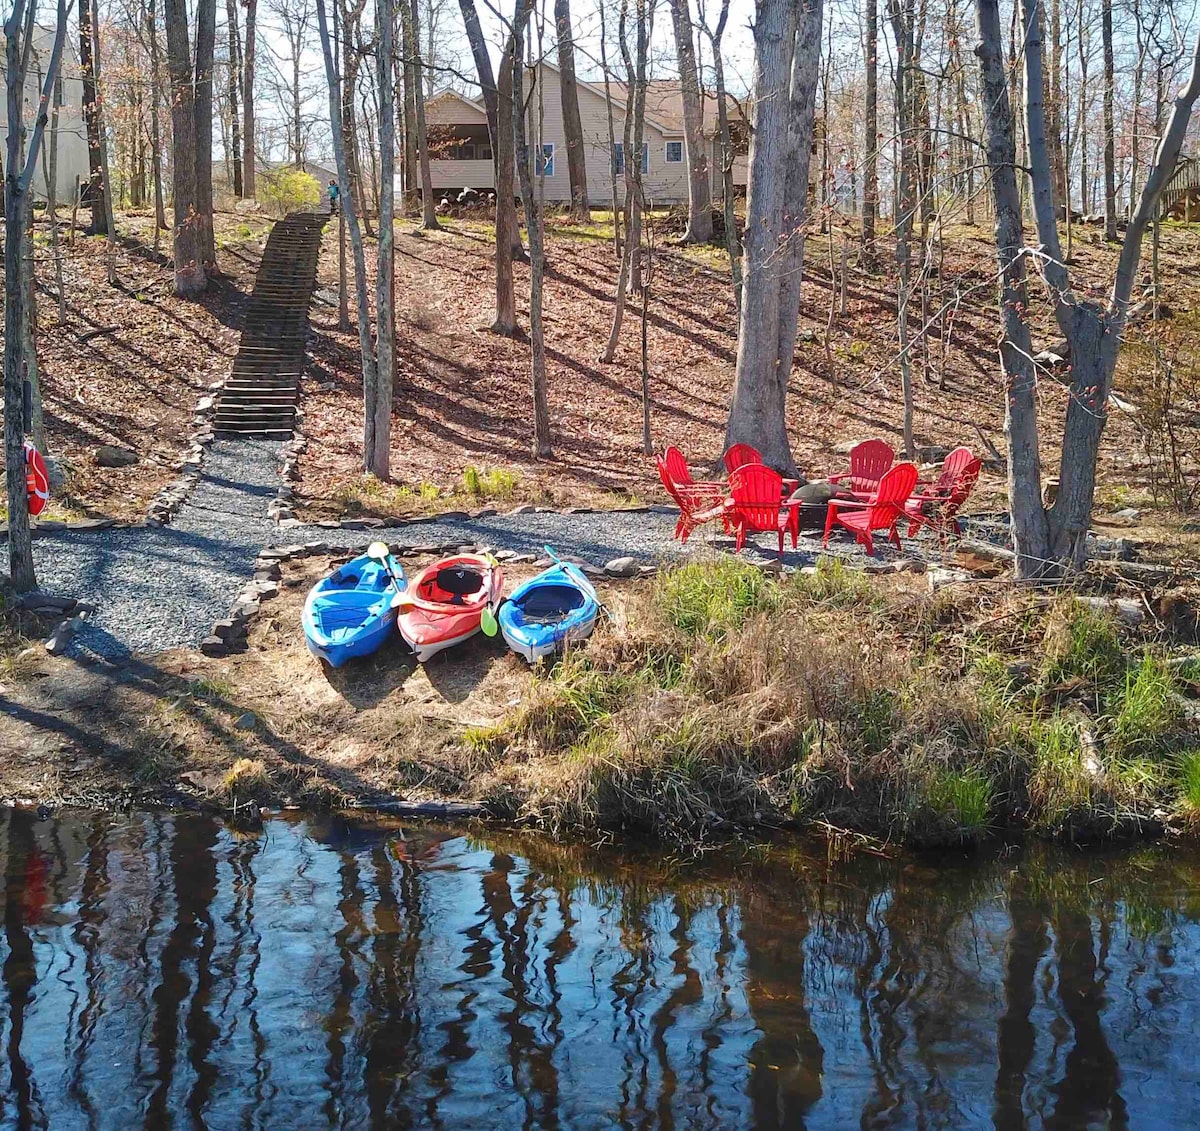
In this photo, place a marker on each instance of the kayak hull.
(448, 599)
(549, 612)
(349, 614)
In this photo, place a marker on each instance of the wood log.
(428, 810)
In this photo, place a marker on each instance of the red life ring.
(37, 480)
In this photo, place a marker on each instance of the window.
(483, 151)
(674, 152)
(619, 158)
(545, 164)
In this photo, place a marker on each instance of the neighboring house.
(463, 157)
(72, 133)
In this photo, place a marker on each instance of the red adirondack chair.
(868, 463)
(882, 511)
(697, 502)
(757, 504)
(937, 506)
(740, 455)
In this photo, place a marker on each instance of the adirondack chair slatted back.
(668, 480)
(677, 466)
(961, 486)
(757, 491)
(869, 461)
(741, 455)
(952, 467)
(894, 489)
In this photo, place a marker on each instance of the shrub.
(288, 189)
(712, 597)
(1145, 711)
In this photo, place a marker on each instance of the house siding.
(664, 183)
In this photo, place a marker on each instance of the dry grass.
(727, 698)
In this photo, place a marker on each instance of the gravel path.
(162, 588)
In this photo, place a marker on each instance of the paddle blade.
(378, 551)
(488, 622)
(401, 603)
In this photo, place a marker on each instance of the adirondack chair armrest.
(836, 504)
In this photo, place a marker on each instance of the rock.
(108, 455)
(621, 567)
(932, 453)
(486, 512)
(359, 523)
(1130, 611)
(248, 721)
(85, 608)
(37, 600)
(450, 516)
(279, 553)
(58, 640)
(591, 570)
(214, 647)
(269, 571)
(940, 578)
(1127, 512)
(507, 556)
(524, 508)
(266, 589)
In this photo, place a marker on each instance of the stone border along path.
(155, 589)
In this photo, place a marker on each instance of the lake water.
(171, 971)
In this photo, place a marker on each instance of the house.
(72, 133)
(461, 152)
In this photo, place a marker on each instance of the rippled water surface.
(169, 971)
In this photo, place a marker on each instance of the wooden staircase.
(260, 397)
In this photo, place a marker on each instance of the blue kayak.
(548, 611)
(350, 613)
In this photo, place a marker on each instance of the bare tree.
(533, 227)
(695, 147)
(733, 243)
(249, 158)
(631, 155)
(105, 201)
(362, 294)
(572, 124)
(1110, 161)
(1054, 540)
(787, 36)
(235, 79)
(379, 429)
(429, 221)
(19, 30)
(870, 201)
(160, 211)
(97, 187)
(602, 7)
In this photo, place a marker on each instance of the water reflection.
(167, 971)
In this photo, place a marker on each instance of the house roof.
(664, 103)
(449, 94)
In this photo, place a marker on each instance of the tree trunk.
(235, 78)
(533, 228)
(572, 124)
(907, 188)
(343, 291)
(52, 213)
(160, 211)
(635, 124)
(429, 220)
(732, 243)
(249, 162)
(756, 412)
(1030, 533)
(1110, 163)
(612, 133)
(18, 176)
(870, 203)
(206, 38)
(699, 229)
(106, 200)
(806, 58)
(97, 187)
(362, 293)
(483, 66)
(188, 238)
(412, 148)
(507, 233)
(1055, 104)
(379, 440)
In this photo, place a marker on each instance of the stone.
(92, 524)
(806, 336)
(247, 721)
(244, 609)
(279, 553)
(268, 573)
(313, 548)
(228, 629)
(109, 455)
(486, 512)
(285, 493)
(450, 516)
(940, 578)
(85, 608)
(58, 640)
(592, 570)
(213, 647)
(360, 523)
(205, 403)
(524, 508)
(506, 555)
(39, 600)
(621, 567)
(1127, 512)
(932, 453)
(266, 589)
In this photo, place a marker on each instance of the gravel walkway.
(162, 588)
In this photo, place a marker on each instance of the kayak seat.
(549, 603)
(459, 582)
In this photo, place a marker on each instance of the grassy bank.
(724, 697)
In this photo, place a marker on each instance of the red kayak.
(445, 603)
